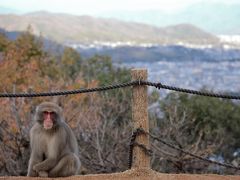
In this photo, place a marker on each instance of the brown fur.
(54, 152)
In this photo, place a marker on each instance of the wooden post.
(140, 119)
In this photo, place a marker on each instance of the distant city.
(217, 76)
(227, 41)
(186, 66)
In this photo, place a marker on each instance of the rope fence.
(117, 86)
(149, 152)
(140, 116)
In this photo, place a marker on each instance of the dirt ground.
(140, 174)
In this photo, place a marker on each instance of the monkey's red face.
(48, 119)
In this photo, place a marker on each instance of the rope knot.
(139, 131)
(159, 85)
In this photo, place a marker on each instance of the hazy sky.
(92, 7)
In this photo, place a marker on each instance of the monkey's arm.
(50, 161)
(35, 156)
(31, 172)
(34, 159)
(45, 165)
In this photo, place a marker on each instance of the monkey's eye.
(47, 114)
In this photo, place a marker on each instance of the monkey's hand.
(32, 174)
(43, 174)
(45, 165)
(35, 168)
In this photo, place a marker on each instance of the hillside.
(209, 16)
(85, 29)
(158, 53)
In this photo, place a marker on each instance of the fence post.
(140, 119)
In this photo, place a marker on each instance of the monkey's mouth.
(48, 123)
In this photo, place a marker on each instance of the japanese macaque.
(54, 148)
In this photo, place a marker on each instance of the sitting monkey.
(54, 148)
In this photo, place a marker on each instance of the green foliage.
(3, 42)
(102, 69)
(28, 41)
(154, 96)
(217, 119)
(70, 63)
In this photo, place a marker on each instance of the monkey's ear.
(36, 114)
(60, 113)
(36, 109)
(56, 100)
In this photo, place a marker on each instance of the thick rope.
(140, 130)
(132, 141)
(62, 93)
(122, 85)
(189, 91)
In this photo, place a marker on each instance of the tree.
(3, 42)
(101, 117)
(70, 63)
(205, 126)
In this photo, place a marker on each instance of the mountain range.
(215, 17)
(65, 28)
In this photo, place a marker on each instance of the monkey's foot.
(43, 174)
